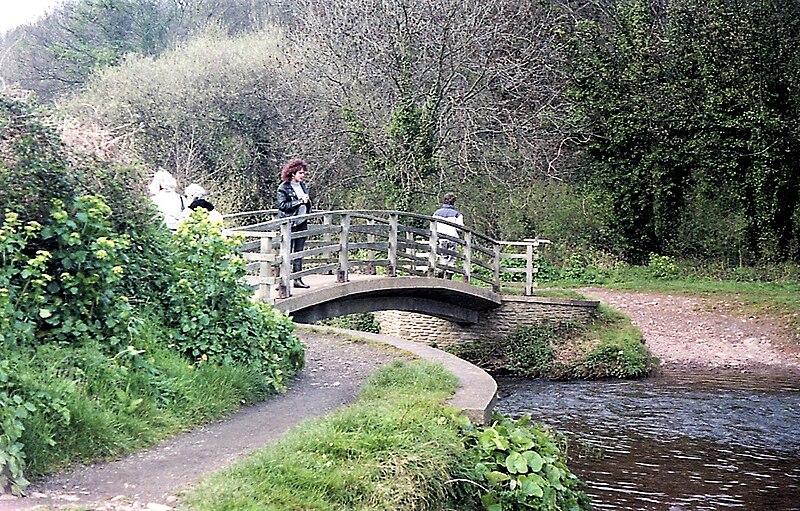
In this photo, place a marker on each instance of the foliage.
(363, 322)
(63, 50)
(524, 467)
(609, 346)
(69, 290)
(663, 267)
(33, 168)
(691, 116)
(13, 410)
(211, 310)
(223, 122)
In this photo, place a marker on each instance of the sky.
(17, 12)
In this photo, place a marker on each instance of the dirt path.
(334, 371)
(688, 332)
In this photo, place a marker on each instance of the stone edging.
(477, 391)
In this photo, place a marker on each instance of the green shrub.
(33, 168)
(523, 467)
(211, 310)
(663, 267)
(63, 278)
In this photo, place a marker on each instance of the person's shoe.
(300, 284)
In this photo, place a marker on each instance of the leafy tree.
(59, 53)
(689, 103)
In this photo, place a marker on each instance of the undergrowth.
(398, 447)
(607, 347)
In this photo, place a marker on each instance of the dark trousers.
(298, 244)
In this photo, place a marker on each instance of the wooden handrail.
(341, 240)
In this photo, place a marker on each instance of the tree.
(433, 95)
(689, 103)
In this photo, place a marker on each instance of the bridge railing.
(374, 242)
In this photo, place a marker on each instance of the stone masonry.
(514, 313)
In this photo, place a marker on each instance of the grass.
(609, 346)
(396, 448)
(90, 405)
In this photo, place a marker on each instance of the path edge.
(476, 394)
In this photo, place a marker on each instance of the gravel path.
(334, 371)
(689, 332)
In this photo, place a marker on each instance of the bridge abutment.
(514, 313)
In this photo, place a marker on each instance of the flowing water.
(677, 442)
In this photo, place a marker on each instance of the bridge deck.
(447, 299)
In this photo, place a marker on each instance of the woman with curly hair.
(293, 200)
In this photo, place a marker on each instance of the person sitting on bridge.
(293, 200)
(448, 212)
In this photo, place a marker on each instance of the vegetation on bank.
(398, 447)
(609, 346)
(114, 333)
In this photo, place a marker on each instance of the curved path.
(337, 363)
(335, 368)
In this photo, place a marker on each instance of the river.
(677, 442)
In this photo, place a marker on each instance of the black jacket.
(287, 202)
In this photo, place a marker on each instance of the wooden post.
(370, 269)
(528, 269)
(467, 257)
(344, 250)
(264, 291)
(391, 270)
(433, 251)
(496, 269)
(284, 282)
(327, 238)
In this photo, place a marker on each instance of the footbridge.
(373, 260)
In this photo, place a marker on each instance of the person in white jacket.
(169, 202)
(448, 212)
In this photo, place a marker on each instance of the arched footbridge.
(368, 260)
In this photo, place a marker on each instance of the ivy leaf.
(495, 477)
(516, 464)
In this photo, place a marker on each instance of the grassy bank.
(82, 403)
(607, 347)
(398, 447)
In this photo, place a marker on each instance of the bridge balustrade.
(375, 242)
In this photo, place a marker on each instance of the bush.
(33, 167)
(524, 467)
(63, 278)
(210, 307)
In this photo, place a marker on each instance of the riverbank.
(693, 333)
